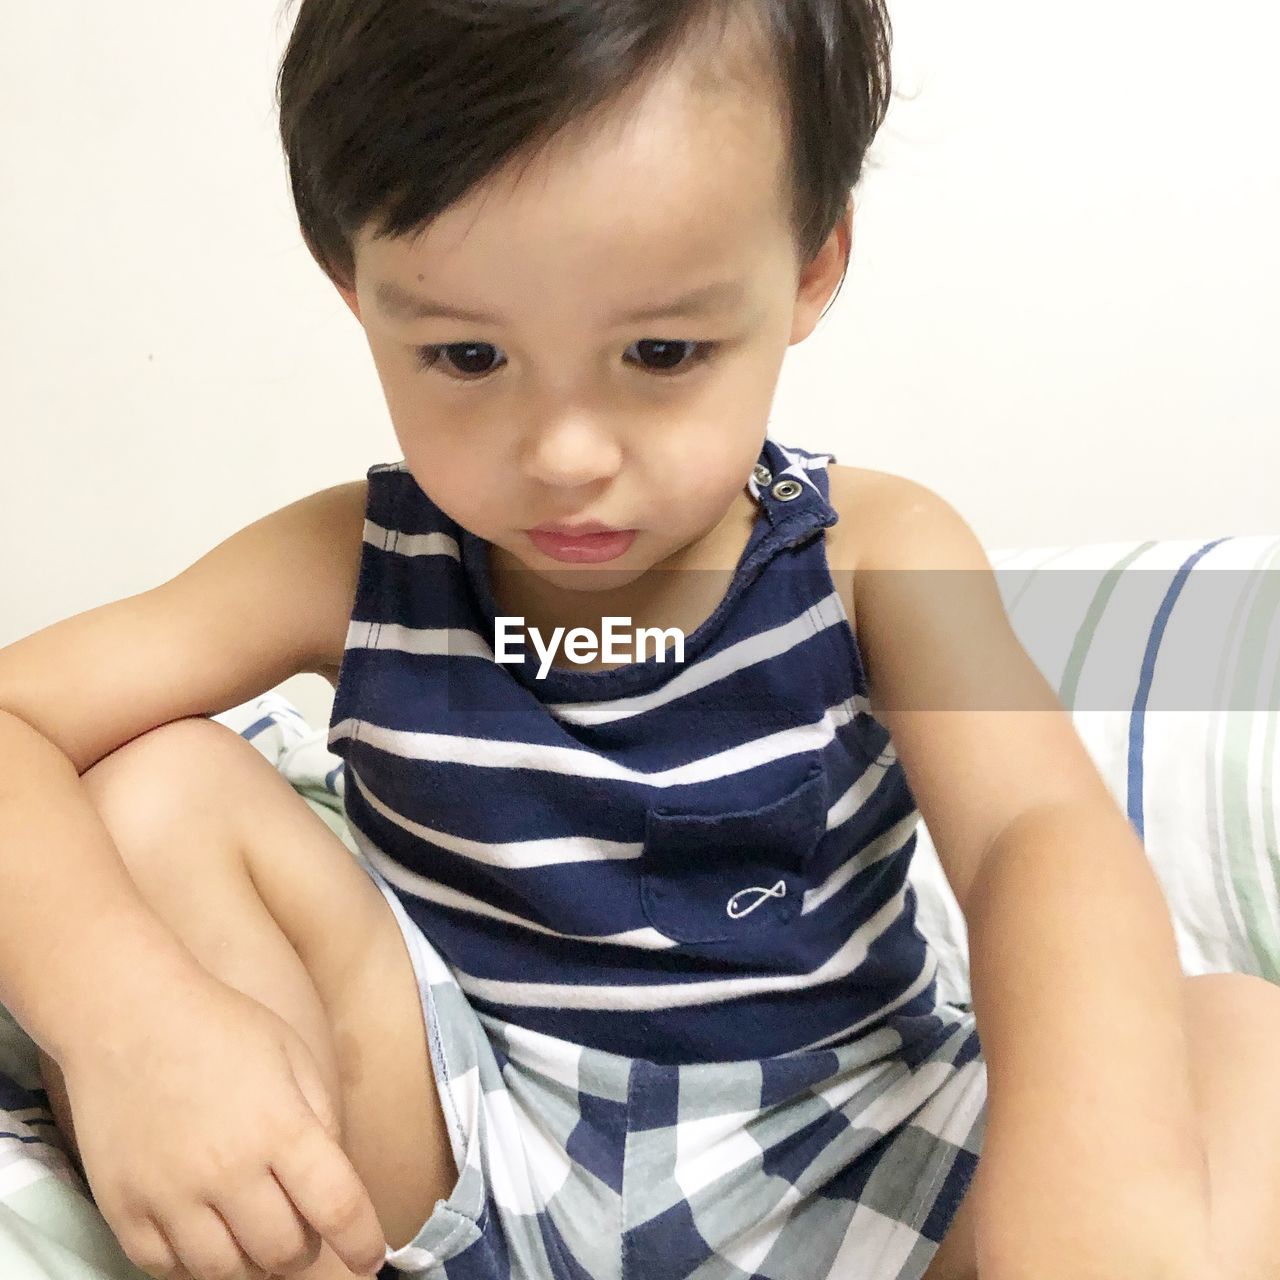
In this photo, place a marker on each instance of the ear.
(819, 280)
(347, 293)
(349, 297)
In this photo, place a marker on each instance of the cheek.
(450, 480)
(694, 506)
(401, 382)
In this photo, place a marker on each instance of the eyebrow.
(398, 304)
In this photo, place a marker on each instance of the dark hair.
(393, 110)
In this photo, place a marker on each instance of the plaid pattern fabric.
(574, 1162)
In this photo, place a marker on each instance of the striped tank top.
(681, 861)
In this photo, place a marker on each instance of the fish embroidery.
(779, 890)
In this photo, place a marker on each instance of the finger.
(319, 1178)
(149, 1250)
(268, 1228)
(206, 1248)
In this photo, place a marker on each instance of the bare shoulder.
(889, 521)
(862, 497)
(867, 502)
(307, 556)
(342, 513)
(879, 514)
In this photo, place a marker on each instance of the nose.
(571, 452)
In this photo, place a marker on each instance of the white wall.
(1063, 313)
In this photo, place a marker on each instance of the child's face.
(555, 409)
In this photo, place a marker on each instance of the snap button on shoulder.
(785, 490)
(762, 474)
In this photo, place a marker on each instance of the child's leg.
(268, 899)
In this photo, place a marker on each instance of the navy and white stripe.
(571, 845)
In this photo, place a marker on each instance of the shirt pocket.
(709, 877)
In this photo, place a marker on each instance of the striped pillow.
(1167, 655)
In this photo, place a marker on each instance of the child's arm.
(268, 602)
(69, 909)
(150, 1043)
(1092, 1161)
(1077, 989)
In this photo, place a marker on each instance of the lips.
(596, 546)
(575, 530)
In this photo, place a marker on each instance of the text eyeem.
(582, 645)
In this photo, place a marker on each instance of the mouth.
(587, 543)
(577, 530)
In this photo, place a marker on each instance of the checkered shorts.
(845, 1162)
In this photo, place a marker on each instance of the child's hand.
(209, 1110)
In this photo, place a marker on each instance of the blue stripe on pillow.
(1138, 716)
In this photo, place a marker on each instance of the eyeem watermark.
(582, 645)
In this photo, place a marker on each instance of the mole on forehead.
(398, 303)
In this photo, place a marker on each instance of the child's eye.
(475, 361)
(470, 358)
(668, 354)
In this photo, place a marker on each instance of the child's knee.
(168, 781)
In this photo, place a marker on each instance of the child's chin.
(591, 578)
